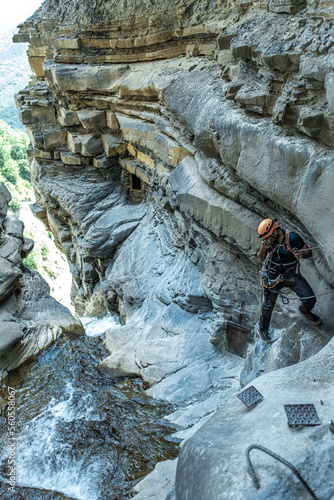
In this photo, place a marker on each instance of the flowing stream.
(80, 434)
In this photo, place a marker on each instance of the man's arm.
(305, 254)
(262, 253)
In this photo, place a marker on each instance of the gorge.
(161, 135)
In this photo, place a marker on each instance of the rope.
(278, 246)
(261, 295)
(280, 459)
(304, 298)
(287, 299)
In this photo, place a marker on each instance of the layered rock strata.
(30, 319)
(161, 135)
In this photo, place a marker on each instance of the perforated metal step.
(301, 415)
(250, 396)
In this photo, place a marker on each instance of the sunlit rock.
(30, 319)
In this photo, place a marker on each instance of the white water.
(95, 326)
(44, 459)
(76, 478)
(79, 432)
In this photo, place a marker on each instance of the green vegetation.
(14, 75)
(31, 261)
(15, 174)
(42, 257)
(14, 168)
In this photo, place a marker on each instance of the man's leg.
(267, 309)
(301, 287)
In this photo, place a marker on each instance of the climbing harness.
(286, 245)
(270, 284)
(280, 459)
(267, 282)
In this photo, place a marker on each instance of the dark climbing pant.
(295, 282)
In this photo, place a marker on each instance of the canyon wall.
(30, 319)
(161, 135)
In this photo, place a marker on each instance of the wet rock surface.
(79, 433)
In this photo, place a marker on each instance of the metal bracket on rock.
(249, 397)
(301, 415)
(280, 459)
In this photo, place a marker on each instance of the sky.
(14, 12)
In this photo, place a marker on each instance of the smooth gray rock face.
(10, 333)
(298, 342)
(111, 229)
(30, 320)
(212, 464)
(163, 474)
(5, 198)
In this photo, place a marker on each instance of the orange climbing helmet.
(266, 228)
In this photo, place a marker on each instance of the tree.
(14, 167)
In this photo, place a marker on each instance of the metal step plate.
(249, 397)
(301, 415)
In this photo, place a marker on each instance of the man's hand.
(302, 253)
(262, 253)
(296, 253)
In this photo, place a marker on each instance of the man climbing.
(283, 249)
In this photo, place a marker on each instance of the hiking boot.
(264, 335)
(313, 318)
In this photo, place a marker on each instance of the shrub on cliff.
(14, 168)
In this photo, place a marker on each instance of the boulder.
(10, 334)
(8, 276)
(79, 78)
(212, 463)
(5, 198)
(291, 346)
(111, 229)
(39, 318)
(92, 119)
